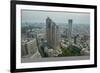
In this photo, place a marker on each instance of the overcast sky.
(58, 17)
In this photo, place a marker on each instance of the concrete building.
(69, 31)
(48, 31)
(52, 33)
(76, 38)
(55, 36)
(29, 48)
(24, 48)
(32, 46)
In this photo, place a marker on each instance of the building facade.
(52, 33)
(29, 47)
(70, 31)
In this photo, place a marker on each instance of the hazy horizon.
(58, 17)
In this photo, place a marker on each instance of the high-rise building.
(55, 35)
(49, 31)
(52, 33)
(70, 31)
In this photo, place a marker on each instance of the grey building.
(29, 47)
(70, 31)
(52, 33)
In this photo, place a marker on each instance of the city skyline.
(49, 39)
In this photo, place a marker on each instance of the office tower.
(52, 33)
(70, 31)
(48, 31)
(55, 35)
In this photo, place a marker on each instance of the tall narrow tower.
(70, 31)
(49, 31)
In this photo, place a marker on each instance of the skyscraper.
(49, 31)
(70, 31)
(52, 33)
(55, 35)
